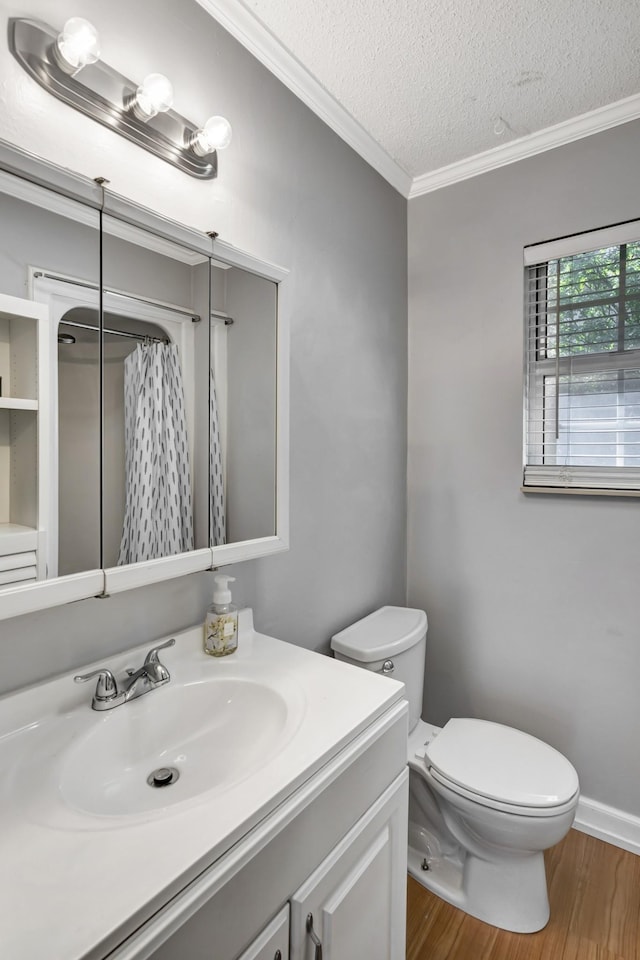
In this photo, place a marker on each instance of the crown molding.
(265, 47)
(614, 114)
(242, 24)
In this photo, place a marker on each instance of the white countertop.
(72, 882)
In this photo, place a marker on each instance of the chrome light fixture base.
(105, 95)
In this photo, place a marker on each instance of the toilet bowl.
(485, 799)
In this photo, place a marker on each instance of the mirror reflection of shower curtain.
(217, 517)
(158, 517)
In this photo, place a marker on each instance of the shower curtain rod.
(218, 314)
(133, 297)
(116, 333)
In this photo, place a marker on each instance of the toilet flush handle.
(387, 667)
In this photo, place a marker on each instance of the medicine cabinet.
(143, 394)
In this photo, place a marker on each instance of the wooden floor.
(594, 892)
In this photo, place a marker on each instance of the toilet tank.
(391, 641)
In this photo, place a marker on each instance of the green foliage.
(598, 296)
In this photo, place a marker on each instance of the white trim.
(549, 138)
(582, 477)
(608, 824)
(150, 241)
(15, 403)
(225, 255)
(283, 361)
(46, 199)
(251, 549)
(42, 594)
(579, 491)
(133, 575)
(242, 24)
(614, 236)
(79, 212)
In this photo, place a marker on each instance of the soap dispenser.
(221, 622)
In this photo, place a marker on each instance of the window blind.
(582, 395)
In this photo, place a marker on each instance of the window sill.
(581, 491)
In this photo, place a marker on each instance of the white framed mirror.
(86, 335)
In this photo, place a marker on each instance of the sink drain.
(163, 777)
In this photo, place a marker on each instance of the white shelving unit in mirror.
(22, 464)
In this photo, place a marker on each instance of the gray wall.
(292, 192)
(533, 602)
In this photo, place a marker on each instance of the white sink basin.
(215, 725)
(212, 733)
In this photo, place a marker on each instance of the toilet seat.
(502, 768)
(515, 809)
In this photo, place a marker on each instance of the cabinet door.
(357, 896)
(196, 940)
(273, 942)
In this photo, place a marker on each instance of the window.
(582, 404)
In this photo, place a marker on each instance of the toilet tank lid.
(384, 633)
(502, 763)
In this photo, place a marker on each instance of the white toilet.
(485, 799)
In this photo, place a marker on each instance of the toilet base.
(511, 894)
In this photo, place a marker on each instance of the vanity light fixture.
(67, 63)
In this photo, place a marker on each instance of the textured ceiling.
(432, 82)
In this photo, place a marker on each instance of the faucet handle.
(156, 671)
(106, 688)
(152, 656)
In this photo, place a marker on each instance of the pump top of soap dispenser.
(221, 592)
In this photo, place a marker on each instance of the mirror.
(155, 349)
(49, 441)
(243, 405)
(190, 405)
(138, 359)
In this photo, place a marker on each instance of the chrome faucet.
(151, 674)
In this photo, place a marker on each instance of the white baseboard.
(608, 824)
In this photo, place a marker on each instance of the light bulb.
(154, 95)
(77, 46)
(215, 135)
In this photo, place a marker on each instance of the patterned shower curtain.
(158, 518)
(217, 518)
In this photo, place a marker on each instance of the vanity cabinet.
(336, 849)
(291, 799)
(22, 342)
(351, 903)
(273, 942)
